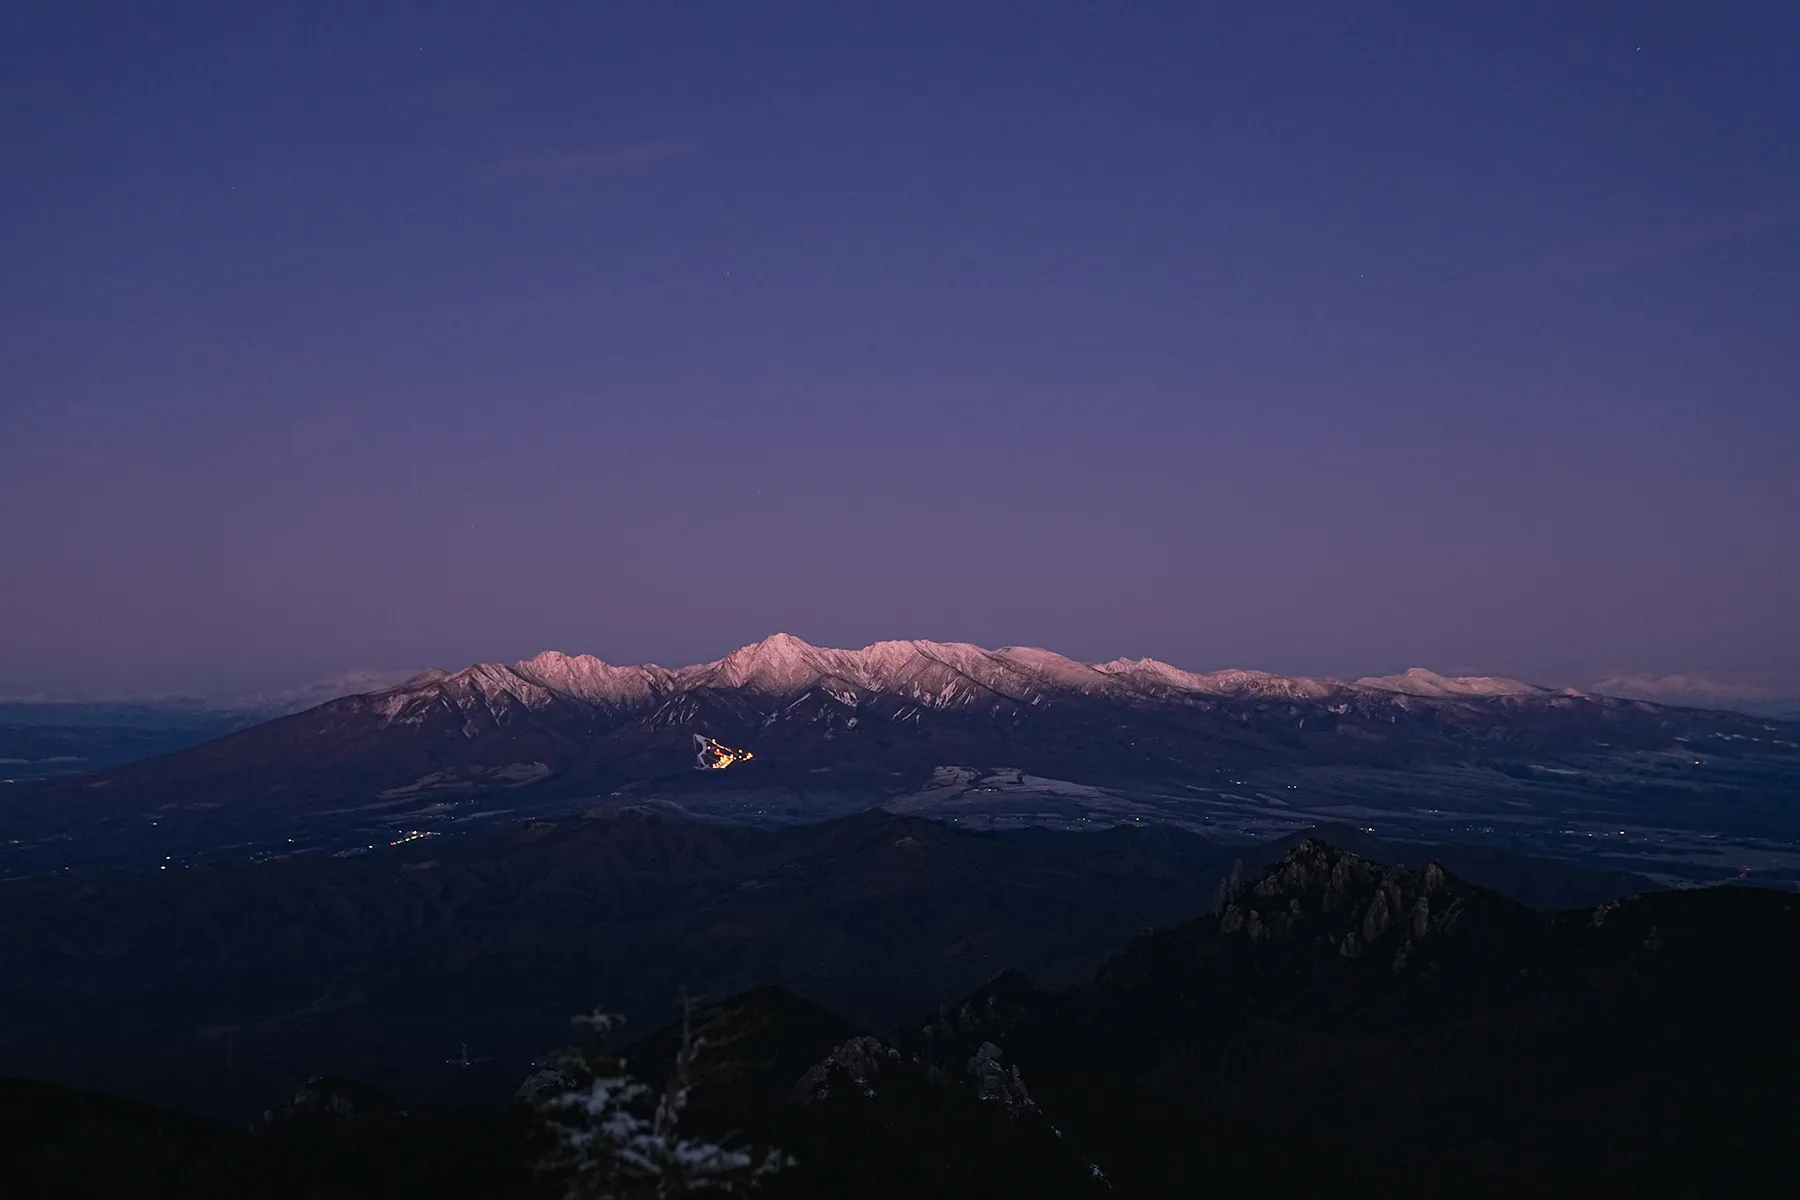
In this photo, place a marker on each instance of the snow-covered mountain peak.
(1417, 681)
(1155, 675)
(1066, 672)
(779, 664)
(933, 674)
(939, 674)
(588, 678)
(782, 648)
(556, 660)
(1152, 672)
(884, 658)
(484, 685)
(494, 679)
(1262, 683)
(959, 656)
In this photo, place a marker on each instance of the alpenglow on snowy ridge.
(932, 674)
(998, 738)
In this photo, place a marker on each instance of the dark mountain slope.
(1407, 1012)
(215, 987)
(56, 1142)
(1332, 1026)
(1540, 883)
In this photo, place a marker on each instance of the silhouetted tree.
(617, 1138)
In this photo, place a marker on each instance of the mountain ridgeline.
(787, 731)
(1327, 1025)
(891, 707)
(1408, 1031)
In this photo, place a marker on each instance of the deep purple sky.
(1444, 334)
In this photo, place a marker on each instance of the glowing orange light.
(714, 755)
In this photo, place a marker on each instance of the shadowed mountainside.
(1331, 1026)
(214, 987)
(1407, 1012)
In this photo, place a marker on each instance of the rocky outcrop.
(332, 1099)
(852, 1068)
(858, 1067)
(1356, 905)
(998, 1084)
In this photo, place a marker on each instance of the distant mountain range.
(45, 736)
(557, 714)
(167, 709)
(938, 675)
(777, 660)
(787, 731)
(1705, 691)
(760, 819)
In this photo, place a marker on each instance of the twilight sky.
(390, 335)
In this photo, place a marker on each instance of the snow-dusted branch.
(619, 1138)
